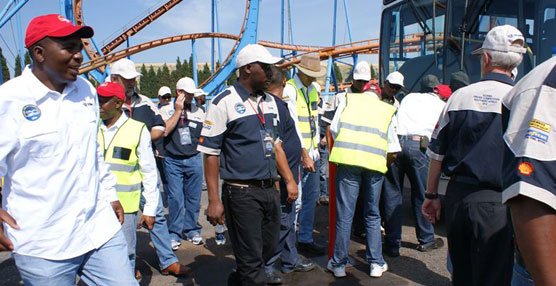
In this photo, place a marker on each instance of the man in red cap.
(127, 149)
(59, 196)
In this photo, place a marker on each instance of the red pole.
(331, 197)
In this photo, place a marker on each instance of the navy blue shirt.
(234, 130)
(191, 118)
(468, 139)
(290, 141)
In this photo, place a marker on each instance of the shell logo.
(525, 168)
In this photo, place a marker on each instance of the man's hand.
(147, 221)
(5, 243)
(308, 163)
(292, 191)
(215, 213)
(179, 102)
(431, 210)
(118, 210)
(323, 141)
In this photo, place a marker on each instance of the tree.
(164, 78)
(338, 73)
(153, 83)
(4, 66)
(17, 66)
(144, 80)
(204, 73)
(373, 72)
(27, 58)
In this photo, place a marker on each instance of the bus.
(420, 37)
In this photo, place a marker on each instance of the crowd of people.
(83, 166)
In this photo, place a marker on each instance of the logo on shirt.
(525, 168)
(31, 112)
(240, 108)
(207, 124)
(536, 136)
(539, 125)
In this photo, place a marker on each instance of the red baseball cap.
(443, 90)
(109, 89)
(372, 87)
(53, 25)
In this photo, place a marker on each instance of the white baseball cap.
(124, 68)
(395, 78)
(362, 71)
(500, 38)
(199, 93)
(164, 90)
(187, 84)
(255, 53)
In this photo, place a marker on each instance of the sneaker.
(175, 244)
(220, 239)
(377, 269)
(339, 272)
(196, 239)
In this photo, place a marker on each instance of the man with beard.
(242, 146)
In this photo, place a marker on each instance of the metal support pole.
(282, 29)
(127, 43)
(12, 12)
(20, 43)
(212, 22)
(218, 31)
(330, 60)
(194, 58)
(7, 7)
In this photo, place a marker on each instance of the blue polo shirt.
(290, 141)
(191, 118)
(234, 130)
(468, 138)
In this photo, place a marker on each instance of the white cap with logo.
(500, 38)
(253, 53)
(362, 71)
(124, 68)
(164, 91)
(188, 85)
(395, 78)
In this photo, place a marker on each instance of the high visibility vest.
(362, 138)
(121, 156)
(307, 112)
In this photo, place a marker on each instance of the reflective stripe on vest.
(362, 137)
(304, 114)
(124, 163)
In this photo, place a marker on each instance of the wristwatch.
(431, 196)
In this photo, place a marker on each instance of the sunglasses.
(394, 86)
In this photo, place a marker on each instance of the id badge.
(313, 125)
(268, 143)
(185, 136)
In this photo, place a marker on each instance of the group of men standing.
(76, 178)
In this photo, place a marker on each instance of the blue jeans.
(349, 180)
(323, 171)
(107, 265)
(309, 197)
(129, 229)
(160, 236)
(521, 277)
(185, 183)
(415, 163)
(286, 249)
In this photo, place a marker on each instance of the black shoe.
(323, 201)
(273, 278)
(437, 243)
(390, 252)
(361, 235)
(311, 247)
(304, 266)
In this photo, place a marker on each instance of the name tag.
(192, 124)
(121, 153)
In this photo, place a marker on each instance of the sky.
(312, 22)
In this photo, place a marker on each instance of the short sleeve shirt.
(234, 130)
(529, 114)
(183, 140)
(468, 137)
(290, 141)
(143, 110)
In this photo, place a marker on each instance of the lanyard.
(307, 99)
(261, 118)
(130, 110)
(181, 117)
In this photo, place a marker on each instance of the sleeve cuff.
(208, 151)
(531, 191)
(435, 156)
(111, 196)
(149, 209)
(158, 127)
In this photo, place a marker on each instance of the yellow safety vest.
(305, 113)
(362, 138)
(121, 155)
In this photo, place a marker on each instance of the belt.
(412, 137)
(250, 183)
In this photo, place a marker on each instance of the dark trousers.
(253, 221)
(412, 161)
(479, 235)
(286, 249)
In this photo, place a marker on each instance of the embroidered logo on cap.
(31, 112)
(61, 18)
(240, 108)
(525, 168)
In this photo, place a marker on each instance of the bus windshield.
(437, 37)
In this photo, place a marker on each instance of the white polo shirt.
(418, 114)
(57, 186)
